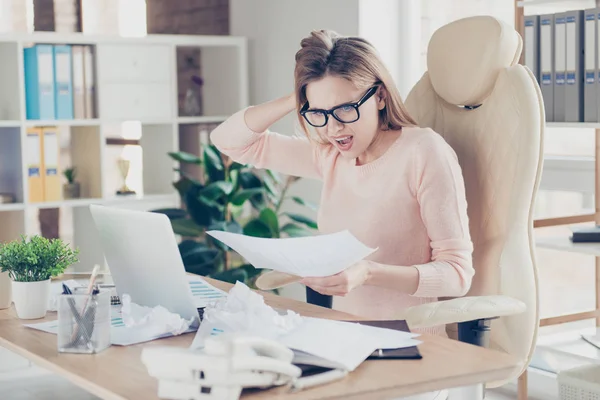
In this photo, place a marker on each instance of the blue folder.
(63, 82)
(39, 81)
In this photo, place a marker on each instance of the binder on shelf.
(532, 49)
(35, 165)
(560, 58)
(574, 66)
(546, 45)
(89, 68)
(39, 81)
(50, 174)
(590, 87)
(63, 86)
(78, 81)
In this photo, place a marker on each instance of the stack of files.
(59, 82)
(43, 167)
(561, 50)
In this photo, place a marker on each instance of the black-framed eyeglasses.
(344, 113)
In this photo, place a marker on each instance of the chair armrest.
(462, 309)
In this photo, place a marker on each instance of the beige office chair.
(490, 110)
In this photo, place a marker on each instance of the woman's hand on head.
(341, 283)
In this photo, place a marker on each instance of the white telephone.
(226, 365)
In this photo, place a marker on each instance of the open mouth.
(345, 140)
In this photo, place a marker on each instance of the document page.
(320, 255)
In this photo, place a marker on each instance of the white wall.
(274, 30)
(394, 28)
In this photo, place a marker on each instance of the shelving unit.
(137, 118)
(567, 349)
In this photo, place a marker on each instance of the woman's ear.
(380, 97)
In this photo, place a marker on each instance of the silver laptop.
(143, 258)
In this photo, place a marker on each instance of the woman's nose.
(334, 126)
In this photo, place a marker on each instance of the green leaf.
(182, 186)
(201, 212)
(214, 164)
(184, 157)
(186, 227)
(275, 176)
(231, 226)
(302, 219)
(216, 190)
(171, 213)
(237, 166)
(271, 185)
(293, 230)
(305, 203)
(257, 228)
(248, 180)
(199, 258)
(270, 219)
(243, 195)
(251, 271)
(231, 275)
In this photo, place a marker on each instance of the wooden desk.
(118, 373)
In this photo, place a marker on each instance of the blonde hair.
(325, 52)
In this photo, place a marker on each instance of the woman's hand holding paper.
(343, 282)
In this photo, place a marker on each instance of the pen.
(319, 379)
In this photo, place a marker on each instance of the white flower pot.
(5, 290)
(31, 298)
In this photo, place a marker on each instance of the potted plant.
(30, 264)
(71, 189)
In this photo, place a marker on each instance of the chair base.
(476, 332)
(318, 299)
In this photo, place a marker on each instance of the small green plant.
(36, 259)
(70, 174)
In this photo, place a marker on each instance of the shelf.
(63, 122)
(201, 120)
(12, 207)
(578, 125)
(564, 244)
(105, 201)
(10, 124)
(525, 3)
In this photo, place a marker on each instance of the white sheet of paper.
(203, 292)
(320, 255)
(345, 344)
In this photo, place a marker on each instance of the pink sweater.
(410, 203)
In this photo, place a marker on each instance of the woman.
(394, 185)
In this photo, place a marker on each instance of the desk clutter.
(561, 50)
(242, 343)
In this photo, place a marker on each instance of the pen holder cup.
(83, 322)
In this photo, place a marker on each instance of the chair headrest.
(465, 57)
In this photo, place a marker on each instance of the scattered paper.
(320, 255)
(203, 292)
(243, 311)
(323, 342)
(155, 320)
(142, 331)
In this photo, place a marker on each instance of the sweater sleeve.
(440, 192)
(288, 155)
